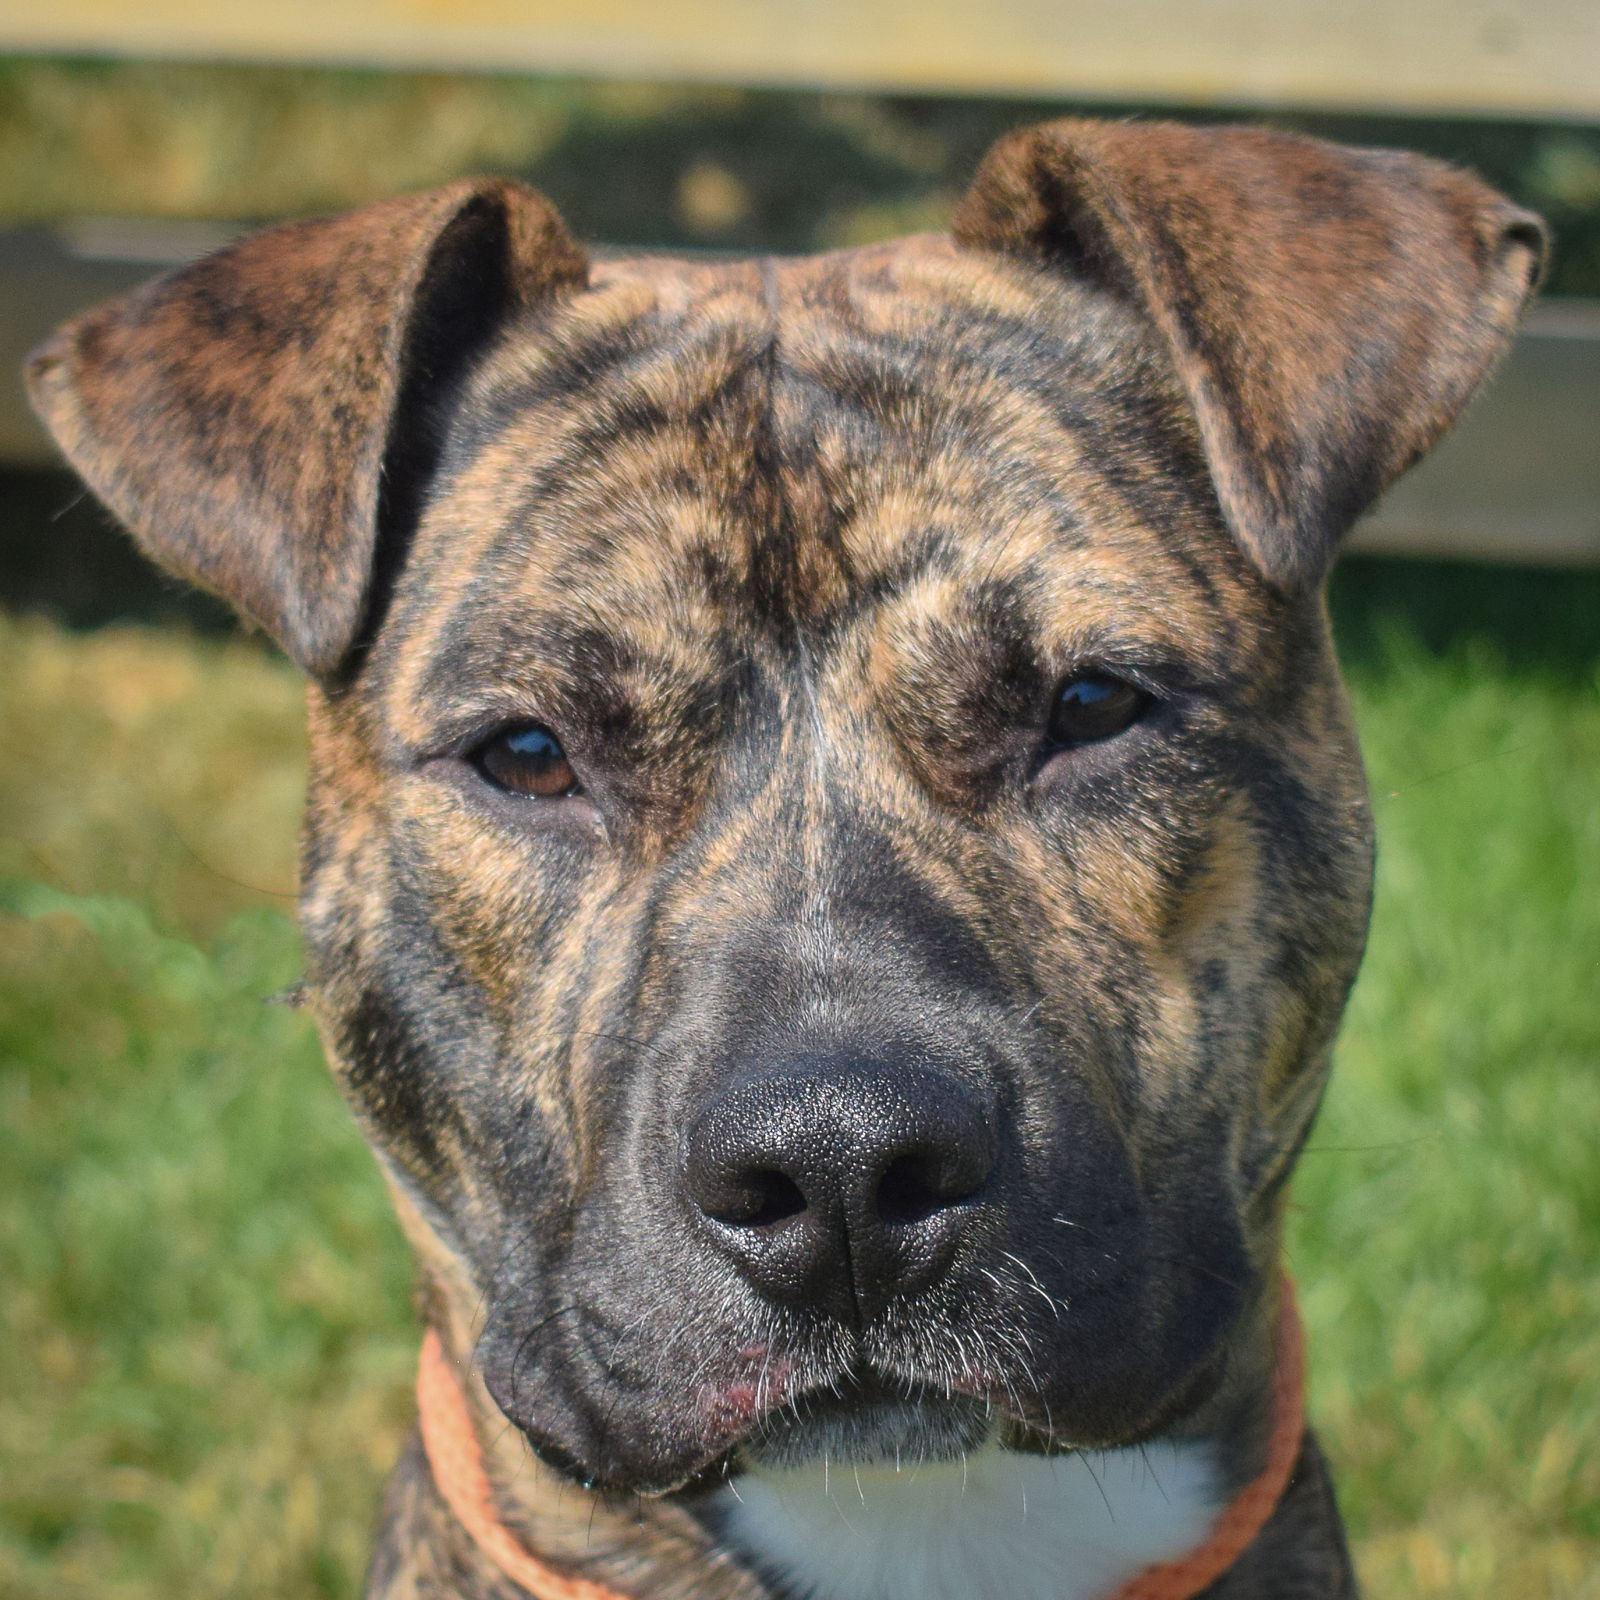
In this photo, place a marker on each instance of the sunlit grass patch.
(205, 1299)
(1447, 1217)
(204, 1309)
(155, 765)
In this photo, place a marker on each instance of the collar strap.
(451, 1443)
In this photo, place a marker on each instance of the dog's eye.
(1094, 706)
(527, 759)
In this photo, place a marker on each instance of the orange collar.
(457, 1465)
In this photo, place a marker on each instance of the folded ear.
(259, 418)
(1328, 310)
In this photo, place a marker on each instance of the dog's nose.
(841, 1185)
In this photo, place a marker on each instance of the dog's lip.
(746, 1414)
(868, 1415)
(776, 1414)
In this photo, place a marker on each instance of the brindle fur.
(792, 554)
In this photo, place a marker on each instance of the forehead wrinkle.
(694, 392)
(689, 395)
(1093, 605)
(617, 530)
(1061, 447)
(567, 384)
(1084, 359)
(964, 512)
(459, 559)
(566, 651)
(1022, 496)
(635, 549)
(689, 439)
(1070, 606)
(962, 438)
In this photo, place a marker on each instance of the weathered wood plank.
(1535, 58)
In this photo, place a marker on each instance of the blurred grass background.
(207, 1346)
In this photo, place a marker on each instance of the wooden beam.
(1531, 58)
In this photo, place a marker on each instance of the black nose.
(842, 1184)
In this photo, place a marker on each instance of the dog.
(836, 847)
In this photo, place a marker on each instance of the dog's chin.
(860, 1423)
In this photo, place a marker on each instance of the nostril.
(914, 1187)
(760, 1198)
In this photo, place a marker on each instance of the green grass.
(203, 1302)
(1447, 1215)
(204, 1323)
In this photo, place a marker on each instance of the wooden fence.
(1537, 58)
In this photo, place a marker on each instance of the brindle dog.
(836, 848)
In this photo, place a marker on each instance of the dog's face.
(836, 874)
(836, 849)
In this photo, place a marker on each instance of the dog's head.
(836, 849)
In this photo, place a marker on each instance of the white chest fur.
(1000, 1526)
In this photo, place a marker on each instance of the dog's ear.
(1328, 310)
(261, 418)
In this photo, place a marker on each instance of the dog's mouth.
(865, 1419)
(776, 1411)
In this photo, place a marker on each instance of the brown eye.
(1093, 707)
(527, 760)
